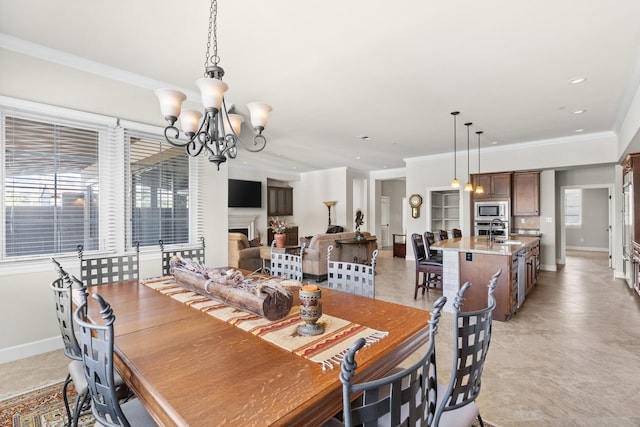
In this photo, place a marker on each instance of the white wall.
(315, 188)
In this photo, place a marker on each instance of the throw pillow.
(254, 243)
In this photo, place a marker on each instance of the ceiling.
(335, 71)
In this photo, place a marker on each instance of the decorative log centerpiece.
(265, 297)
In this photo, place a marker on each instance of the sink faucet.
(491, 237)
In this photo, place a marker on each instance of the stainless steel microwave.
(489, 210)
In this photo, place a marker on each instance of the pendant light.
(454, 183)
(479, 188)
(468, 186)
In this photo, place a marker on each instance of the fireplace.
(244, 231)
(243, 224)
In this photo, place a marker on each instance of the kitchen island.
(475, 260)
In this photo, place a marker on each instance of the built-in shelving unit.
(445, 210)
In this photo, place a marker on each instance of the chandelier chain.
(213, 29)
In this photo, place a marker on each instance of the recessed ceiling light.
(358, 158)
(577, 80)
(494, 142)
(579, 130)
(295, 168)
(579, 111)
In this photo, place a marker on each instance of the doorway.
(385, 214)
(592, 230)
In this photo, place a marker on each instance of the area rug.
(39, 408)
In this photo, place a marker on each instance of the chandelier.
(217, 134)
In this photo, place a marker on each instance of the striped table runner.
(327, 348)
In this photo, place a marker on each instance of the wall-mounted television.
(245, 194)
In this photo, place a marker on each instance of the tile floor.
(570, 356)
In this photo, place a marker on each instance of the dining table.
(189, 368)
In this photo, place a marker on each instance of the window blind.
(51, 192)
(573, 207)
(159, 190)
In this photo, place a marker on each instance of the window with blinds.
(159, 188)
(50, 188)
(573, 207)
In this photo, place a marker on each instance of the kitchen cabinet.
(631, 226)
(526, 193)
(496, 186)
(279, 201)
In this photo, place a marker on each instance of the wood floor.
(569, 357)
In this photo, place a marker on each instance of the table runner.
(327, 348)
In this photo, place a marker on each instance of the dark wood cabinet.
(279, 201)
(526, 193)
(496, 186)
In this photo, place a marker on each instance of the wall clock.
(415, 201)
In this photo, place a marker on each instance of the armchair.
(242, 255)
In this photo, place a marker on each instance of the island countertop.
(510, 246)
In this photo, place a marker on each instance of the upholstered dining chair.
(406, 397)
(456, 232)
(443, 235)
(471, 339)
(96, 343)
(109, 269)
(432, 254)
(351, 277)
(286, 265)
(194, 252)
(431, 270)
(62, 288)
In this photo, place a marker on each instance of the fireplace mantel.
(244, 221)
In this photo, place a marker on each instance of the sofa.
(242, 254)
(314, 261)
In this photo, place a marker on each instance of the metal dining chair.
(109, 269)
(471, 339)
(351, 277)
(286, 265)
(96, 342)
(62, 288)
(431, 270)
(407, 397)
(194, 252)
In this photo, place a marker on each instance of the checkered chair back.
(359, 279)
(194, 252)
(109, 269)
(472, 335)
(286, 265)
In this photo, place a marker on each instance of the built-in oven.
(486, 211)
(483, 228)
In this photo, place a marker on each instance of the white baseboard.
(34, 348)
(587, 248)
(548, 267)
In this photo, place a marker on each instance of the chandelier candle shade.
(217, 132)
(479, 188)
(468, 186)
(454, 183)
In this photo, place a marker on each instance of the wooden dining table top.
(191, 369)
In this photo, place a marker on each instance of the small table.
(399, 245)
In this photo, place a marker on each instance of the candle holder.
(310, 310)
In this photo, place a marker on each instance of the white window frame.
(578, 223)
(114, 195)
